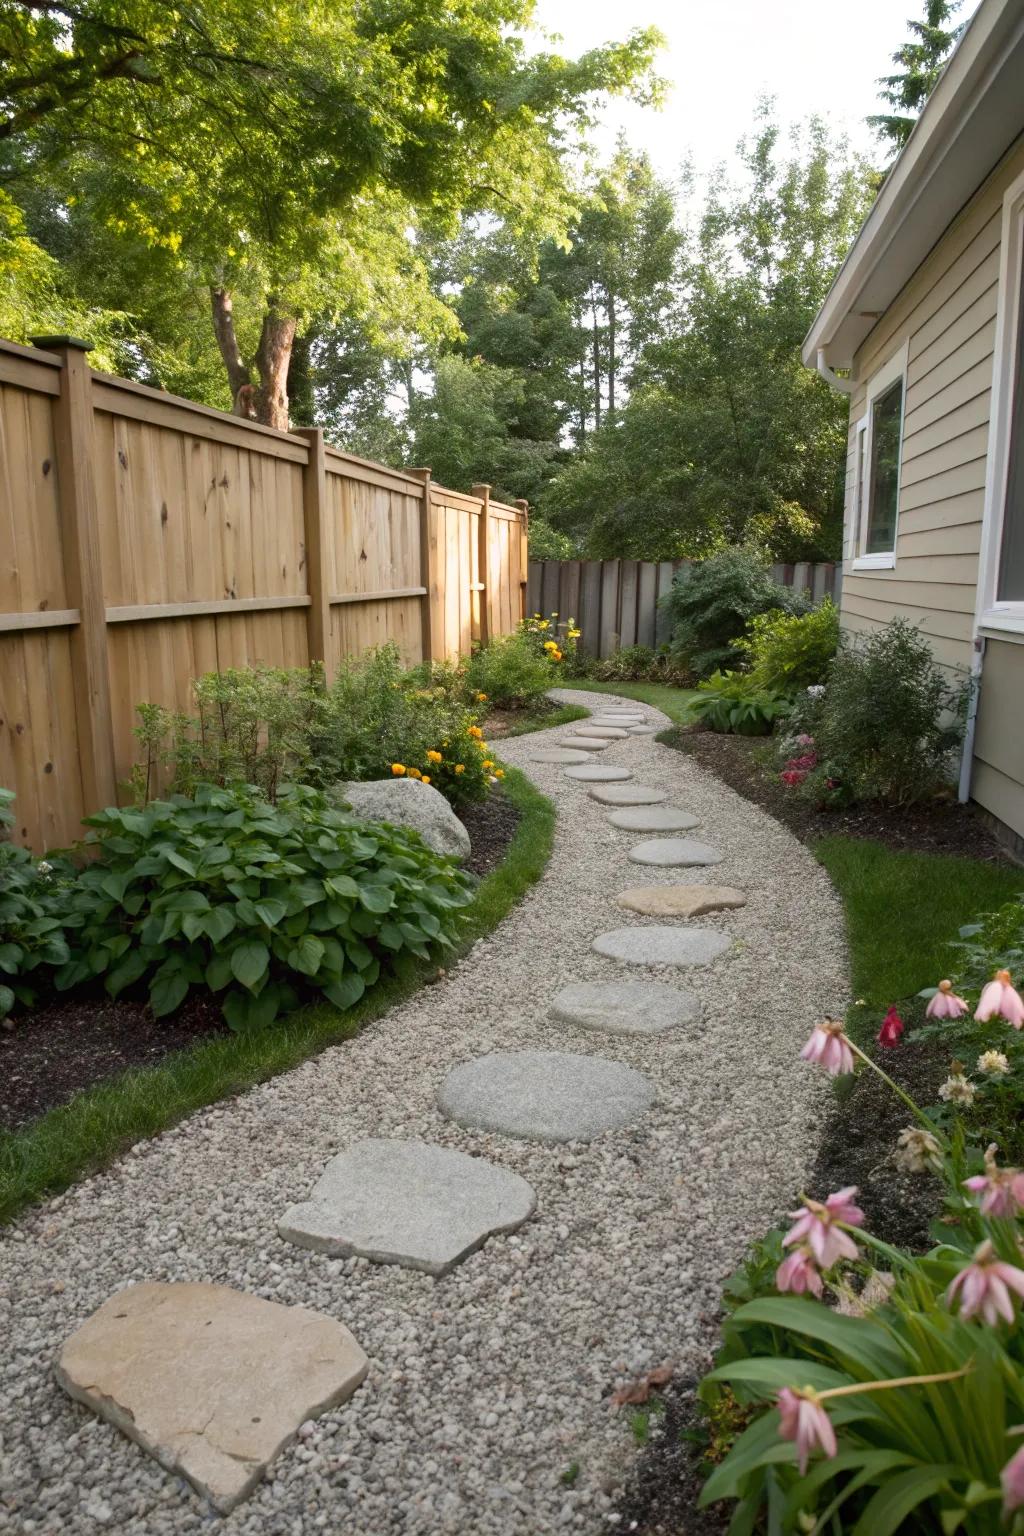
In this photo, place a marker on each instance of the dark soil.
(662, 1495)
(491, 825)
(942, 826)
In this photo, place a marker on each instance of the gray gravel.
(485, 1386)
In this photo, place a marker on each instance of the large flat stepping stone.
(210, 1381)
(409, 1203)
(544, 1095)
(669, 852)
(586, 744)
(563, 755)
(643, 730)
(607, 732)
(599, 773)
(645, 945)
(653, 818)
(625, 1007)
(617, 722)
(680, 900)
(628, 794)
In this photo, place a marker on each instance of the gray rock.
(653, 818)
(671, 852)
(408, 1203)
(563, 755)
(544, 1095)
(662, 946)
(625, 1007)
(408, 803)
(599, 773)
(627, 794)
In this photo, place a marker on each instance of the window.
(1001, 577)
(878, 450)
(1010, 586)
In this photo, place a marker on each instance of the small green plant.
(733, 702)
(640, 663)
(788, 652)
(711, 604)
(513, 671)
(31, 931)
(571, 1474)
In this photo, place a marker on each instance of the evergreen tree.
(920, 62)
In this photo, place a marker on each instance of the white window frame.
(1005, 619)
(895, 368)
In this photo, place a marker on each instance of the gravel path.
(487, 1386)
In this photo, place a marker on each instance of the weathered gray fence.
(615, 602)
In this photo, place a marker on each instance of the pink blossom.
(798, 1273)
(829, 1047)
(803, 1419)
(945, 1004)
(892, 1027)
(1001, 1189)
(804, 740)
(1000, 1000)
(1012, 1479)
(792, 777)
(983, 1287)
(818, 1225)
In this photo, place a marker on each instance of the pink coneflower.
(798, 1273)
(803, 1420)
(1001, 1189)
(892, 1027)
(945, 1004)
(1000, 1000)
(818, 1225)
(983, 1287)
(829, 1047)
(1012, 1479)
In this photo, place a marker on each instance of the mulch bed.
(71, 1043)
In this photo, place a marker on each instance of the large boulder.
(408, 803)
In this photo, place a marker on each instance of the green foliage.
(261, 904)
(31, 928)
(790, 652)
(994, 941)
(548, 543)
(711, 604)
(735, 702)
(920, 63)
(511, 672)
(639, 663)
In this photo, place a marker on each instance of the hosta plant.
(31, 932)
(262, 904)
(733, 702)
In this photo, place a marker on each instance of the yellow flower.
(433, 757)
(481, 746)
(554, 615)
(550, 645)
(460, 767)
(487, 763)
(397, 769)
(475, 730)
(481, 698)
(414, 773)
(424, 778)
(544, 624)
(499, 773)
(574, 634)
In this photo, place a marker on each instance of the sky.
(814, 56)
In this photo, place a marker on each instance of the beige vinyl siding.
(996, 780)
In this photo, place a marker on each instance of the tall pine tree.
(919, 65)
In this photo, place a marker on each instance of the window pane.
(1011, 560)
(886, 412)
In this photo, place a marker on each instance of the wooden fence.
(615, 602)
(145, 540)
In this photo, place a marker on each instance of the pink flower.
(983, 1287)
(892, 1027)
(798, 1273)
(1001, 1189)
(829, 1047)
(945, 1004)
(803, 1419)
(1001, 1000)
(1012, 1479)
(818, 1226)
(805, 740)
(792, 777)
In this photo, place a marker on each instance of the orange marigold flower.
(487, 763)
(475, 730)
(397, 769)
(460, 767)
(414, 773)
(499, 773)
(433, 757)
(481, 698)
(424, 778)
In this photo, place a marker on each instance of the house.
(926, 321)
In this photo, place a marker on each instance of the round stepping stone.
(612, 732)
(670, 852)
(643, 730)
(617, 722)
(558, 755)
(653, 818)
(680, 900)
(599, 773)
(211, 1381)
(645, 945)
(587, 744)
(409, 1203)
(544, 1095)
(625, 1007)
(628, 794)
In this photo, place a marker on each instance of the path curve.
(487, 1385)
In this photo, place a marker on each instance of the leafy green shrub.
(640, 664)
(789, 652)
(734, 702)
(31, 929)
(259, 903)
(511, 671)
(711, 604)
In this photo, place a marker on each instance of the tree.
(287, 154)
(920, 64)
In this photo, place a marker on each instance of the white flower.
(994, 1063)
(957, 1089)
(44, 868)
(917, 1151)
(816, 690)
(861, 1002)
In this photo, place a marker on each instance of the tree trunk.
(272, 358)
(239, 375)
(596, 338)
(612, 361)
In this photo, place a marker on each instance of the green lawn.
(674, 702)
(95, 1127)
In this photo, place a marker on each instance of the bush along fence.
(615, 602)
(148, 540)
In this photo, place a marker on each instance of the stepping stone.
(645, 945)
(587, 744)
(680, 900)
(612, 732)
(409, 1203)
(210, 1381)
(599, 773)
(625, 1007)
(653, 818)
(628, 794)
(558, 755)
(544, 1095)
(617, 722)
(643, 730)
(669, 852)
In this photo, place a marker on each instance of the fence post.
(524, 552)
(432, 613)
(483, 494)
(83, 568)
(316, 536)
